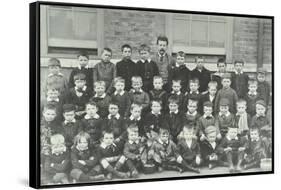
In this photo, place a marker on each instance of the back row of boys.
(171, 88)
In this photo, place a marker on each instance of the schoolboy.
(137, 95)
(92, 123)
(82, 67)
(260, 120)
(121, 97)
(146, 68)
(85, 161)
(221, 71)
(226, 92)
(111, 157)
(192, 114)
(176, 92)
(157, 93)
(105, 70)
(79, 95)
(57, 163)
(225, 119)
(264, 88)
(210, 96)
(233, 148)
(194, 92)
(242, 118)
(136, 119)
(180, 72)
(101, 98)
(239, 79)
(55, 79)
(252, 97)
(126, 67)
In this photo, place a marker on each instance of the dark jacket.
(239, 82)
(88, 72)
(204, 78)
(126, 68)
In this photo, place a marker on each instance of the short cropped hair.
(49, 107)
(194, 80)
(156, 101)
(119, 79)
(83, 54)
(221, 60)
(212, 83)
(241, 101)
(162, 38)
(107, 49)
(92, 103)
(126, 46)
(199, 57)
(136, 79)
(144, 47)
(134, 105)
(173, 99)
(57, 139)
(81, 135)
(157, 77)
(99, 83)
(239, 61)
(180, 54)
(176, 81)
(192, 101)
(252, 81)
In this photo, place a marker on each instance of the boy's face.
(91, 110)
(173, 106)
(58, 148)
(136, 85)
(136, 112)
(156, 107)
(224, 109)
(226, 82)
(126, 53)
(200, 63)
(106, 56)
(82, 143)
(80, 83)
(212, 90)
(260, 109)
(162, 47)
(119, 86)
(232, 132)
(133, 135)
(180, 60)
(144, 54)
(164, 136)
(69, 116)
(54, 69)
(193, 86)
(176, 86)
(113, 109)
(83, 61)
(157, 83)
(241, 108)
(212, 137)
(192, 106)
(253, 87)
(188, 134)
(49, 115)
(53, 94)
(261, 77)
(221, 67)
(208, 110)
(238, 67)
(108, 138)
(254, 134)
(99, 89)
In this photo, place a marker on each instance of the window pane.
(199, 33)
(181, 31)
(72, 24)
(217, 34)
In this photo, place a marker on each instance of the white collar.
(86, 67)
(103, 145)
(117, 116)
(227, 114)
(205, 116)
(236, 72)
(228, 138)
(96, 116)
(178, 93)
(176, 112)
(241, 114)
(121, 93)
(213, 144)
(133, 90)
(161, 55)
(263, 115)
(131, 142)
(133, 119)
(148, 60)
(73, 121)
(253, 140)
(64, 150)
(84, 88)
(55, 100)
(177, 65)
(252, 94)
(156, 114)
(102, 96)
(197, 92)
(52, 74)
(161, 142)
(193, 114)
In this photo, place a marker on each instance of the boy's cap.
(79, 76)
(226, 76)
(261, 70)
(224, 102)
(54, 62)
(208, 104)
(210, 129)
(68, 107)
(261, 102)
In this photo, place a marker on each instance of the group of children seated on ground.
(115, 130)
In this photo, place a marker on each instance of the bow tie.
(209, 117)
(110, 147)
(69, 122)
(137, 92)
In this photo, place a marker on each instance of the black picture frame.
(34, 82)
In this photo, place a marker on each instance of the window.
(69, 29)
(200, 34)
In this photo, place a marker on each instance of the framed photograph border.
(34, 97)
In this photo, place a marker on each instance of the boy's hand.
(91, 158)
(197, 160)
(138, 157)
(179, 159)
(203, 137)
(52, 165)
(219, 136)
(240, 149)
(82, 162)
(117, 140)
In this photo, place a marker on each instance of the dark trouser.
(234, 157)
(171, 165)
(80, 175)
(133, 165)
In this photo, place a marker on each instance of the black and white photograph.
(135, 94)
